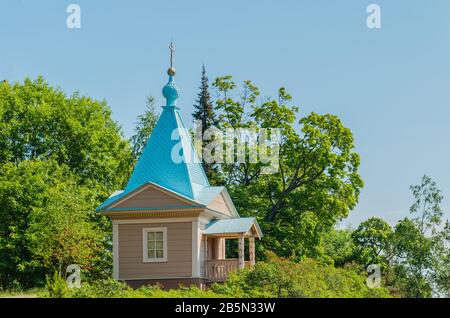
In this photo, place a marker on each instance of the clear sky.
(391, 86)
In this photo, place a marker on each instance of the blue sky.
(390, 86)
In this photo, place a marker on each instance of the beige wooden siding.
(179, 252)
(219, 204)
(152, 198)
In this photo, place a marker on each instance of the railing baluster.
(218, 270)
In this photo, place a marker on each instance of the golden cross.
(172, 49)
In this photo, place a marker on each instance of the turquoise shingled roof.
(169, 159)
(157, 165)
(232, 226)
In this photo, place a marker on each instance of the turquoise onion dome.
(170, 91)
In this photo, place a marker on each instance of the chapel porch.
(217, 265)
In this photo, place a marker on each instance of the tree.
(317, 182)
(422, 245)
(427, 205)
(339, 248)
(146, 122)
(441, 263)
(60, 156)
(47, 222)
(373, 237)
(413, 256)
(40, 122)
(204, 113)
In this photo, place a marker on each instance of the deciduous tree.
(317, 182)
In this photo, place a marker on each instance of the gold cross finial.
(172, 49)
(171, 70)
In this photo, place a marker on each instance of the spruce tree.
(204, 112)
(145, 124)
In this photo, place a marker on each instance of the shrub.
(110, 288)
(279, 277)
(276, 277)
(104, 288)
(56, 286)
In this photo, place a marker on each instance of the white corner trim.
(115, 238)
(196, 248)
(145, 257)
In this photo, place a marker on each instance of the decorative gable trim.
(153, 214)
(144, 187)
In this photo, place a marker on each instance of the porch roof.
(233, 226)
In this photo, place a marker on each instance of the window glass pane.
(155, 245)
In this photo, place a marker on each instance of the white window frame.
(145, 232)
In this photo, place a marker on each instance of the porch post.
(206, 258)
(251, 242)
(241, 251)
(206, 247)
(217, 248)
(224, 248)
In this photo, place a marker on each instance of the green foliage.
(441, 262)
(317, 182)
(275, 278)
(427, 205)
(104, 288)
(56, 286)
(181, 292)
(145, 124)
(339, 248)
(59, 157)
(422, 248)
(41, 122)
(110, 288)
(284, 278)
(414, 256)
(47, 222)
(373, 237)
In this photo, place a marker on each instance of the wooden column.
(206, 247)
(224, 248)
(205, 261)
(217, 248)
(251, 245)
(241, 252)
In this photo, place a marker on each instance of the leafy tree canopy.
(38, 121)
(59, 157)
(47, 222)
(374, 238)
(317, 182)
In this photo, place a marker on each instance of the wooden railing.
(217, 269)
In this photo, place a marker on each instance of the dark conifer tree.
(204, 112)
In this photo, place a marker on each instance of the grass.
(31, 293)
